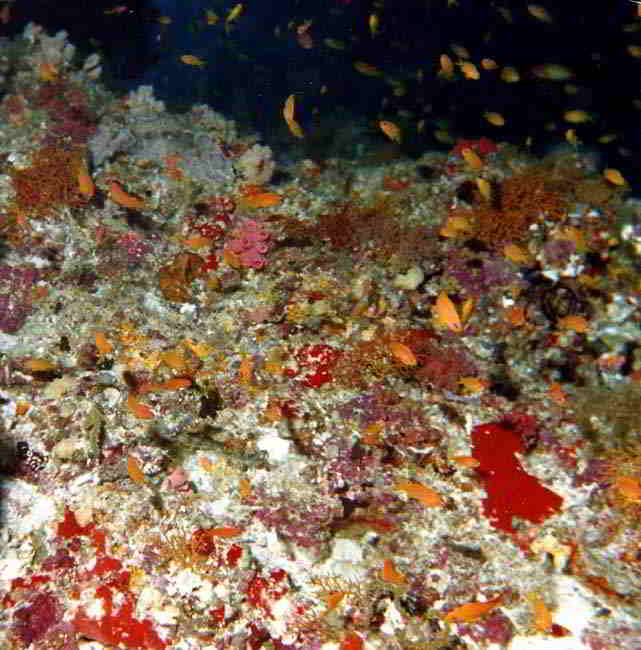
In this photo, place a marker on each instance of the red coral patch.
(511, 492)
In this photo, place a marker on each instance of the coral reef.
(365, 406)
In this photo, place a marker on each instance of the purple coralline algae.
(16, 285)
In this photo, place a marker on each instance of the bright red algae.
(511, 492)
(118, 626)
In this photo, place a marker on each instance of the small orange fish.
(574, 322)
(225, 531)
(288, 115)
(614, 176)
(629, 488)
(447, 66)
(571, 137)
(333, 599)
(576, 116)
(542, 615)
(468, 462)
(233, 14)
(471, 611)
(103, 345)
(403, 353)
(469, 70)
(48, 71)
(422, 493)
(192, 59)
(245, 371)
(495, 119)
(367, 69)
(455, 226)
(177, 383)
(467, 309)
(516, 254)
(244, 488)
(446, 314)
(85, 184)
(556, 394)
(140, 410)
(391, 574)
(262, 200)
(135, 470)
(473, 385)
(119, 196)
(197, 241)
(39, 365)
(540, 13)
(22, 408)
(390, 130)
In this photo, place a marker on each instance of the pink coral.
(250, 244)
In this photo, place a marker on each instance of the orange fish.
(39, 365)
(333, 599)
(516, 254)
(542, 615)
(140, 410)
(85, 184)
(614, 176)
(103, 345)
(119, 196)
(446, 313)
(470, 71)
(288, 115)
(540, 13)
(135, 470)
(367, 69)
(390, 130)
(496, 119)
(422, 493)
(192, 59)
(225, 531)
(473, 385)
(447, 67)
(391, 574)
(262, 200)
(471, 611)
(629, 488)
(403, 353)
(489, 64)
(574, 322)
(468, 462)
(556, 394)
